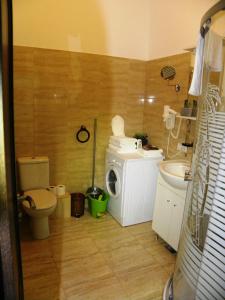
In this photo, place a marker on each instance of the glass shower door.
(200, 268)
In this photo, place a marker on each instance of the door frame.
(11, 279)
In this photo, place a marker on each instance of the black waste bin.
(77, 204)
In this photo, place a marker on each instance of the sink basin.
(173, 172)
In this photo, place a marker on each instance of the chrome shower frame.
(200, 266)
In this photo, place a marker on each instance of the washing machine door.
(113, 182)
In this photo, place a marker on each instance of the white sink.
(173, 172)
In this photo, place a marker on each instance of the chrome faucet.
(188, 175)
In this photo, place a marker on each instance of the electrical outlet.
(179, 146)
(182, 148)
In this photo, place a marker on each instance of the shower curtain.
(200, 267)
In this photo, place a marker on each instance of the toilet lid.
(42, 198)
(118, 126)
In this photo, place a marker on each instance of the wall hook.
(80, 132)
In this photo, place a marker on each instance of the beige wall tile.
(55, 92)
(165, 95)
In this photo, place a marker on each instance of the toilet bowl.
(42, 204)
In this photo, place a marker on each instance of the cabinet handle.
(168, 200)
(174, 205)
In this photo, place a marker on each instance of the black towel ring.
(81, 130)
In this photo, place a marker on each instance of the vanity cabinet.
(168, 212)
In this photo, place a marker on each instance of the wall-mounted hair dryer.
(169, 117)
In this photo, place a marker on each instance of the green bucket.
(97, 207)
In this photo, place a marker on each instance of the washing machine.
(131, 181)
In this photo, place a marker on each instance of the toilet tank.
(33, 172)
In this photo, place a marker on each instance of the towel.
(213, 59)
(196, 83)
(122, 150)
(214, 55)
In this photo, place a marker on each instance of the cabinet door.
(177, 210)
(162, 211)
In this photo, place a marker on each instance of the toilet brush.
(94, 191)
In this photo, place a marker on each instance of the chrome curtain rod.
(206, 19)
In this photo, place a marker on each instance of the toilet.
(39, 203)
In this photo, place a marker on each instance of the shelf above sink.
(186, 117)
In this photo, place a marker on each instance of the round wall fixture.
(83, 135)
(168, 72)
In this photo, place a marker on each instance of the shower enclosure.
(200, 267)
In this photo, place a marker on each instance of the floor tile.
(74, 248)
(106, 288)
(128, 257)
(42, 286)
(90, 259)
(76, 271)
(143, 283)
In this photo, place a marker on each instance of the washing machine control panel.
(114, 163)
(113, 159)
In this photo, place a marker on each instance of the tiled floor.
(95, 259)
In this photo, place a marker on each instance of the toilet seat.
(43, 199)
(118, 126)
